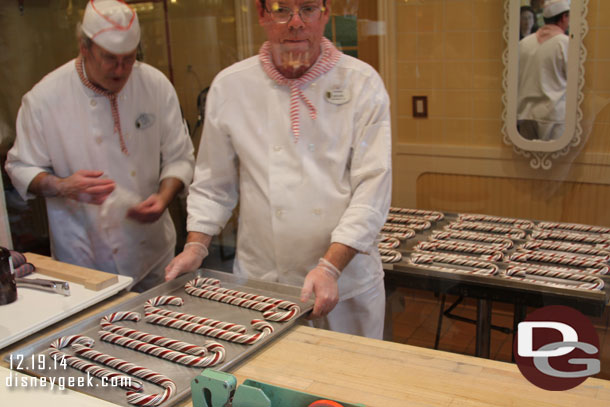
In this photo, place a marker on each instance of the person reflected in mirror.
(301, 135)
(102, 139)
(543, 59)
(527, 22)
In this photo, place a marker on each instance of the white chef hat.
(112, 24)
(555, 7)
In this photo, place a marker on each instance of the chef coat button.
(133, 173)
(99, 139)
(277, 148)
(279, 213)
(115, 251)
(92, 102)
(311, 147)
(317, 211)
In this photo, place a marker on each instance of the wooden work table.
(380, 373)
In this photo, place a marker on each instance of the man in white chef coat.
(103, 140)
(543, 65)
(301, 133)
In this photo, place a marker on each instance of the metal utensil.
(53, 286)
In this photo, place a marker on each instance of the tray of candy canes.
(146, 350)
(544, 254)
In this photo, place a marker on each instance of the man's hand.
(149, 210)
(83, 186)
(189, 260)
(322, 282)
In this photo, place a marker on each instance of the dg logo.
(557, 348)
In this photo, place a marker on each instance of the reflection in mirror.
(543, 77)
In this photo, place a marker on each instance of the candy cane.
(389, 255)
(586, 263)
(138, 399)
(412, 222)
(216, 356)
(438, 262)
(584, 281)
(107, 324)
(599, 241)
(485, 252)
(399, 232)
(596, 253)
(506, 231)
(428, 215)
(500, 243)
(263, 326)
(151, 307)
(517, 223)
(574, 227)
(209, 288)
(94, 370)
(388, 242)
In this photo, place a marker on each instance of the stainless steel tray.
(34, 360)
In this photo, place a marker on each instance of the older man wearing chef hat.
(103, 140)
(543, 65)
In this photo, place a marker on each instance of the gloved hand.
(322, 282)
(189, 260)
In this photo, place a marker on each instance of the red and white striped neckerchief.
(328, 59)
(112, 97)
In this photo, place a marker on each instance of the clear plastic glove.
(322, 282)
(189, 260)
(85, 186)
(149, 210)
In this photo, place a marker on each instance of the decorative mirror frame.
(543, 152)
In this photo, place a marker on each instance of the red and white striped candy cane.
(581, 262)
(399, 232)
(484, 252)
(500, 243)
(596, 253)
(517, 223)
(389, 255)
(94, 370)
(270, 307)
(417, 224)
(138, 399)
(107, 324)
(506, 231)
(217, 351)
(461, 264)
(574, 227)
(428, 215)
(151, 307)
(388, 242)
(579, 280)
(585, 238)
(264, 327)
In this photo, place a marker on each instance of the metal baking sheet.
(34, 360)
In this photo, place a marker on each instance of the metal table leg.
(483, 338)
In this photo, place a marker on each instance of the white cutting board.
(17, 389)
(35, 309)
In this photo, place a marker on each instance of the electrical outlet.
(420, 106)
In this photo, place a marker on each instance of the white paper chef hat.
(112, 24)
(555, 7)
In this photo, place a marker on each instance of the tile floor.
(416, 325)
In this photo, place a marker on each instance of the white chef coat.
(542, 83)
(63, 127)
(334, 185)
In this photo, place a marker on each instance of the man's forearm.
(169, 188)
(198, 237)
(45, 185)
(340, 255)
